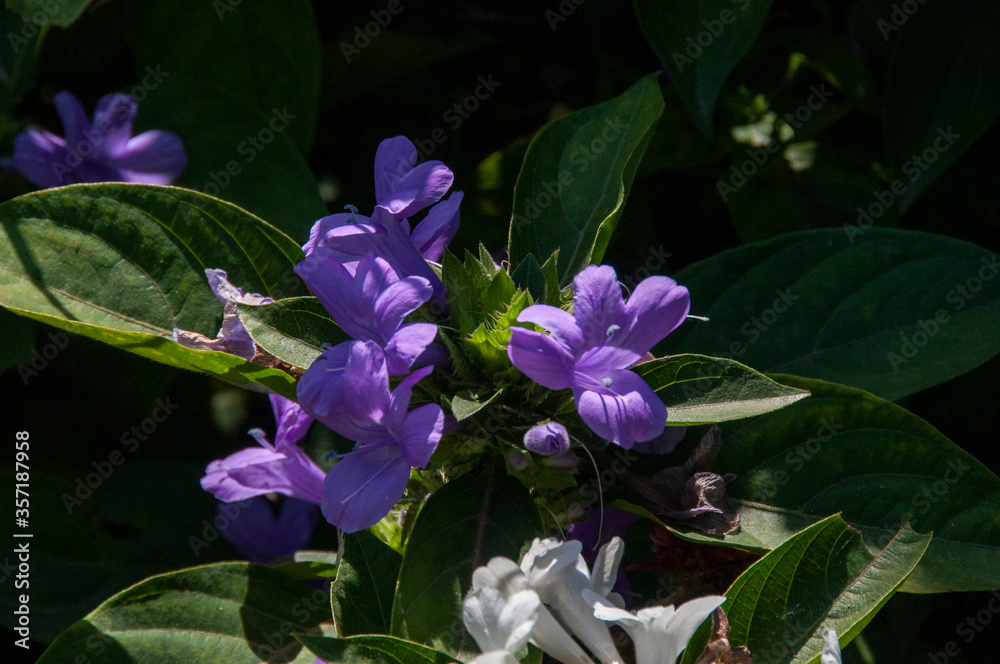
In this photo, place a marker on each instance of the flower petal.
(75, 123)
(421, 433)
(409, 346)
(364, 486)
(335, 288)
(255, 532)
(394, 158)
(398, 301)
(655, 309)
(153, 157)
(624, 412)
(560, 323)
(541, 358)
(438, 228)
(112, 126)
(399, 400)
(41, 157)
(293, 422)
(518, 619)
(597, 304)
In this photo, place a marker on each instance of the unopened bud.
(548, 439)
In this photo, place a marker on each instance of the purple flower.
(370, 305)
(347, 389)
(232, 338)
(591, 350)
(401, 189)
(280, 468)
(261, 535)
(102, 151)
(547, 439)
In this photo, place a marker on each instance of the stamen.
(607, 382)
(351, 208)
(612, 330)
(704, 318)
(259, 436)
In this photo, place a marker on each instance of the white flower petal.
(518, 618)
(605, 572)
(831, 648)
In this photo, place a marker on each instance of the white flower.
(503, 575)
(559, 574)
(831, 648)
(500, 625)
(659, 633)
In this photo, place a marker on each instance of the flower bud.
(548, 439)
(517, 459)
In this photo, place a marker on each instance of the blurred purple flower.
(370, 305)
(547, 439)
(592, 349)
(102, 151)
(600, 528)
(347, 389)
(280, 468)
(261, 535)
(232, 338)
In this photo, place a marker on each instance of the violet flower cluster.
(103, 150)
(370, 274)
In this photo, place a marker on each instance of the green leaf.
(465, 404)
(889, 311)
(124, 264)
(576, 176)
(227, 155)
(61, 12)
(821, 578)
(293, 330)
(265, 54)
(375, 649)
(363, 593)
(231, 612)
(942, 93)
(699, 43)
(470, 520)
(700, 390)
(844, 450)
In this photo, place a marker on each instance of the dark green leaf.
(470, 520)
(889, 311)
(293, 330)
(232, 612)
(266, 54)
(228, 156)
(374, 650)
(60, 12)
(844, 450)
(529, 275)
(699, 43)
(942, 93)
(125, 263)
(699, 390)
(576, 176)
(363, 593)
(823, 577)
